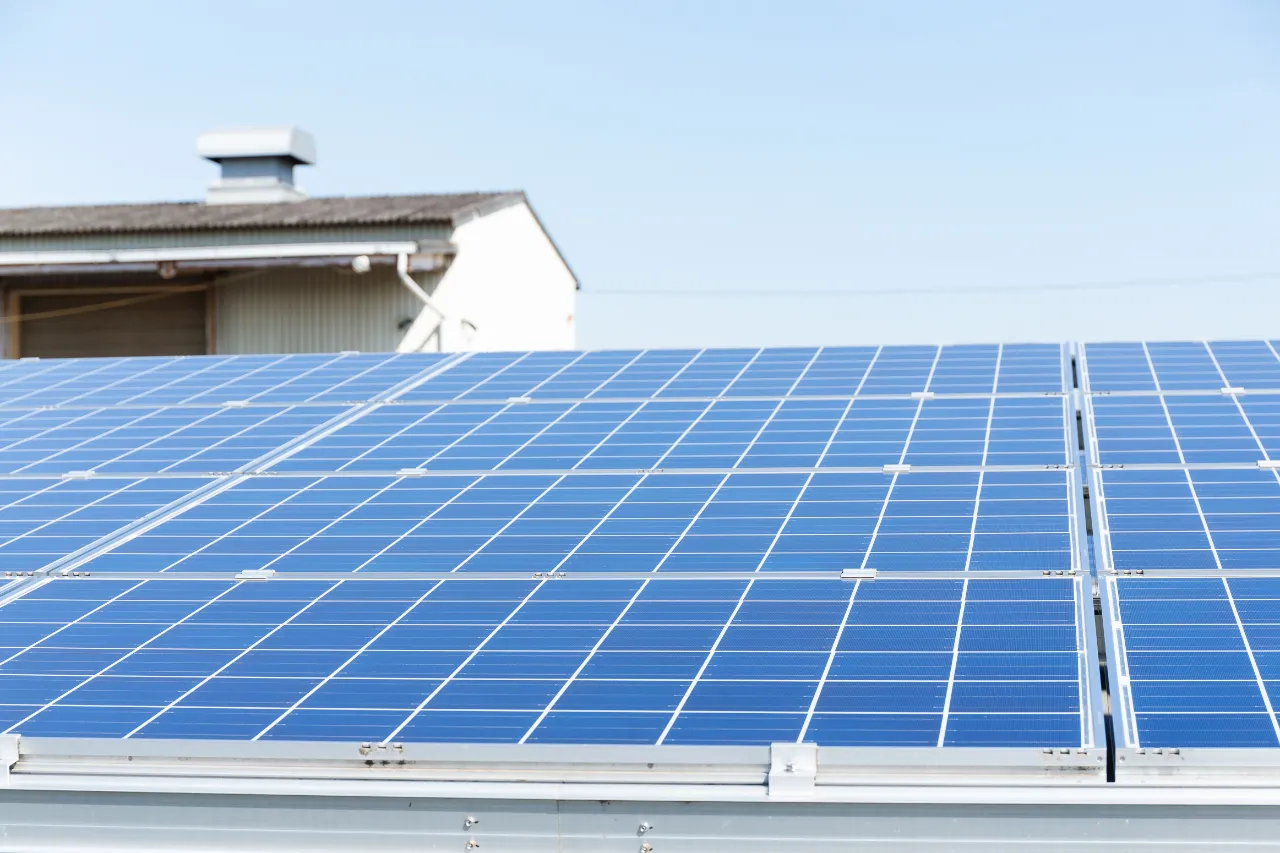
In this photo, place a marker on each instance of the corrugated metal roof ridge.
(197, 216)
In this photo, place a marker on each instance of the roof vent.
(257, 163)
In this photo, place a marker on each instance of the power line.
(1230, 278)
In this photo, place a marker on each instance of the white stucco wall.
(507, 289)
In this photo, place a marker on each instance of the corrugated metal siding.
(313, 310)
(344, 234)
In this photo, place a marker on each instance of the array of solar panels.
(644, 547)
(1187, 516)
(602, 547)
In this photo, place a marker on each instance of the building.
(258, 267)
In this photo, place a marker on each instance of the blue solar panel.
(1190, 519)
(44, 520)
(1181, 366)
(279, 379)
(626, 470)
(1198, 660)
(1003, 521)
(829, 371)
(1196, 429)
(724, 434)
(979, 662)
(128, 440)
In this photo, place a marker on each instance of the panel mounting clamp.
(897, 468)
(255, 574)
(1269, 463)
(411, 472)
(793, 770)
(922, 395)
(8, 757)
(519, 399)
(76, 475)
(1233, 391)
(857, 574)
(235, 404)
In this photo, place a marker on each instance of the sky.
(730, 173)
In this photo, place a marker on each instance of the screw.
(646, 848)
(645, 827)
(470, 822)
(472, 844)
(791, 768)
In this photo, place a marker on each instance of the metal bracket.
(519, 399)
(1232, 391)
(77, 475)
(793, 770)
(8, 757)
(255, 574)
(897, 468)
(411, 472)
(235, 404)
(1269, 463)
(922, 395)
(857, 574)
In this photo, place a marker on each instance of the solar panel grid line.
(342, 517)
(213, 364)
(550, 706)
(123, 657)
(1253, 660)
(725, 479)
(791, 511)
(830, 662)
(35, 530)
(955, 660)
(196, 497)
(250, 647)
(195, 552)
(468, 659)
(78, 620)
(136, 421)
(346, 663)
(706, 661)
(1244, 416)
(493, 376)
(6, 382)
(884, 506)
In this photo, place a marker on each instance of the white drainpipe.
(402, 270)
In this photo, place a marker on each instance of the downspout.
(402, 271)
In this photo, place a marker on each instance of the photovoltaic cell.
(885, 663)
(1202, 660)
(130, 440)
(830, 371)
(619, 523)
(1186, 429)
(44, 520)
(1182, 366)
(1191, 519)
(278, 379)
(722, 434)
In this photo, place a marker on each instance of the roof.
(198, 216)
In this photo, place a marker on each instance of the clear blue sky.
(730, 146)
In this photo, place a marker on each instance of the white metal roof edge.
(13, 262)
(536, 771)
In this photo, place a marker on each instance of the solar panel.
(695, 509)
(1180, 366)
(783, 433)
(129, 440)
(1199, 429)
(959, 522)
(276, 379)
(655, 661)
(829, 371)
(43, 520)
(1198, 661)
